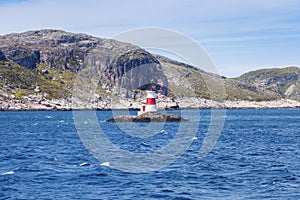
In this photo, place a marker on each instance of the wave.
(8, 173)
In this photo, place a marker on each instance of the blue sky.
(239, 36)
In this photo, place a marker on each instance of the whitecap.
(106, 164)
(84, 164)
(61, 121)
(48, 116)
(195, 138)
(8, 173)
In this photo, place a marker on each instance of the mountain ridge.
(38, 69)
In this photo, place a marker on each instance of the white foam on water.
(194, 138)
(164, 131)
(106, 164)
(8, 173)
(84, 164)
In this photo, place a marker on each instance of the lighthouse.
(149, 112)
(150, 102)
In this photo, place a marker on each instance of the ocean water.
(257, 156)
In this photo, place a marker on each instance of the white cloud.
(204, 17)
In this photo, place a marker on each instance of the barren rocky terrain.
(53, 69)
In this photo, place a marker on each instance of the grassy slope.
(22, 81)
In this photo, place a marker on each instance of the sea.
(248, 154)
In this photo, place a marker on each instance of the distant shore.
(183, 104)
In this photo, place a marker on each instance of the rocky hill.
(52, 69)
(282, 81)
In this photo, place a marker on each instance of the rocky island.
(57, 70)
(149, 112)
(148, 117)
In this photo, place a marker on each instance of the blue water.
(256, 157)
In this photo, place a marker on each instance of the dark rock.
(2, 56)
(125, 118)
(136, 69)
(22, 56)
(148, 117)
(173, 107)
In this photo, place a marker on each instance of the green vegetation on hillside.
(277, 80)
(22, 81)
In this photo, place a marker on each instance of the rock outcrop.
(2, 56)
(148, 117)
(53, 48)
(138, 68)
(22, 56)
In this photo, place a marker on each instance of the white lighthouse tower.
(150, 102)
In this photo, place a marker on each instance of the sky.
(239, 36)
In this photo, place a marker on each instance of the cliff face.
(39, 66)
(138, 68)
(59, 52)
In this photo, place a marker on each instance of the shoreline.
(181, 104)
(129, 109)
(63, 110)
